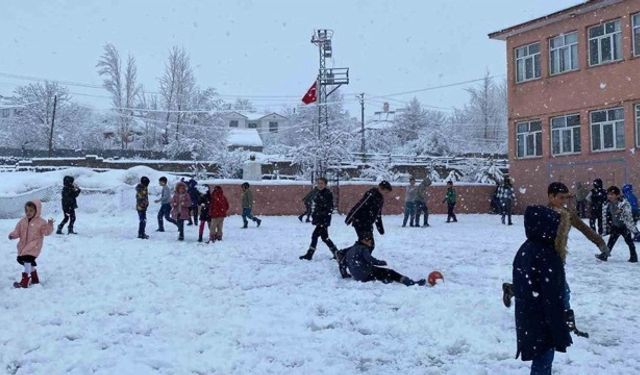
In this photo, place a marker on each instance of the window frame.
(234, 123)
(605, 35)
(575, 44)
(601, 125)
(525, 58)
(525, 135)
(636, 109)
(271, 127)
(561, 130)
(636, 53)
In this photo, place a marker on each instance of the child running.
(180, 204)
(30, 231)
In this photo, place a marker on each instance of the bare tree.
(177, 85)
(123, 88)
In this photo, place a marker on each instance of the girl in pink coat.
(30, 232)
(180, 203)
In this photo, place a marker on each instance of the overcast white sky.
(250, 47)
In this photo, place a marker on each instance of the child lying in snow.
(364, 267)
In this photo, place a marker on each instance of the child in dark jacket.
(368, 211)
(194, 194)
(180, 204)
(70, 192)
(322, 211)
(205, 205)
(142, 203)
(540, 289)
(451, 199)
(618, 221)
(364, 267)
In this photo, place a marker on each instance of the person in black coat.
(321, 218)
(70, 192)
(597, 197)
(194, 194)
(308, 204)
(205, 204)
(368, 211)
(539, 287)
(364, 267)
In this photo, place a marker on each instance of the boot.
(199, 238)
(24, 283)
(308, 255)
(258, 222)
(421, 282)
(244, 226)
(342, 265)
(59, 231)
(633, 256)
(34, 277)
(300, 218)
(70, 231)
(602, 256)
(507, 294)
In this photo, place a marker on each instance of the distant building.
(248, 129)
(574, 97)
(382, 120)
(8, 109)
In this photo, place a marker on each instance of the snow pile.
(112, 304)
(244, 137)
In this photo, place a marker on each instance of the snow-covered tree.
(177, 85)
(33, 125)
(121, 83)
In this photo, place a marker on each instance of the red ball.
(434, 277)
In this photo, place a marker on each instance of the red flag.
(310, 96)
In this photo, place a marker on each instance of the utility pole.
(362, 134)
(53, 119)
(327, 77)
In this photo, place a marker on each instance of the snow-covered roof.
(8, 102)
(255, 116)
(244, 137)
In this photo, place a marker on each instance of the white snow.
(244, 137)
(113, 304)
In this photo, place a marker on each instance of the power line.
(461, 83)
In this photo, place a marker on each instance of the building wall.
(589, 88)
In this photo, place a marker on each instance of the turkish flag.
(311, 95)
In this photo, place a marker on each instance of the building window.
(273, 126)
(605, 43)
(635, 20)
(253, 125)
(528, 62)
(638, 125)
(607, 129)
(563, 53)
(233, 123)
(529, 139)
(565, 135)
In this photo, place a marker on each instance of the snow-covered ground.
(113, 304)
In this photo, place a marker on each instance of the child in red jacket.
(217, 211)
(30, 232)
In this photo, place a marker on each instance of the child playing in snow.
(247, 206)
(217, 211)
(142, 203)
(450, 199)
(364, 267)
(70, 192)
(618, 221)
(194, 194)
(180, 204)
(165, 205)
(322, 211)
(30, 232)
(539, 284)
(205, 205)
